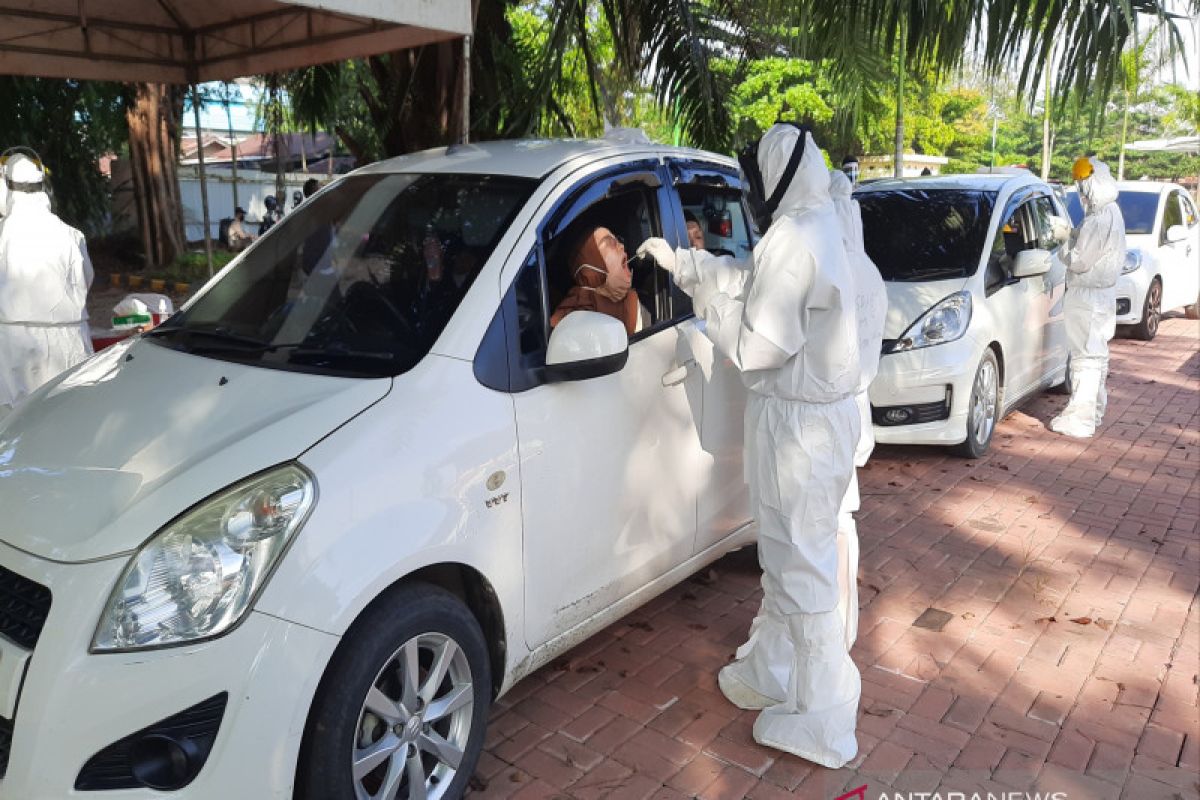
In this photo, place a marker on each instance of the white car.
(1162, 273)
(295, 540)
(975, 303)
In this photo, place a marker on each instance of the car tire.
(373, 705)
(1147, 329)
(983, 409)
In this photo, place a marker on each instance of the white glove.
(658, 249)
(1060, 228)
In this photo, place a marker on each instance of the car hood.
(909, 300)
(1146, 242)
(103, 456)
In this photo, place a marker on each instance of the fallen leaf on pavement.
(1082, 620)
(1046, 619)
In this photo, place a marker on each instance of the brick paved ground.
(1071, 570)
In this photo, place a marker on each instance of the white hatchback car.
(294, 541)
(1162, 232)
(975, 300)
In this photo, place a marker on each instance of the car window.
(720, 218)
(927, 234)
(1189, 211)
(1172, 214)
(360, 280)
(1138, 209)
(1014, 235)
(1074, 207)
(630, 210)
(1042, 209)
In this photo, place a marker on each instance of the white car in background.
(975, 303)
(1162, 272)
(295, 540)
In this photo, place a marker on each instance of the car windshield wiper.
(305, 351)
(930, 273)
(215, 333)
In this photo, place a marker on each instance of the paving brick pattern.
(1071, 569)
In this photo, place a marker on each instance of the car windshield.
(1138, 209)
(925, 234)
(359, 281)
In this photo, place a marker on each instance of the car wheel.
(983, 412)
(1147, 329)
(402, 708)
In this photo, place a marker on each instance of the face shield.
(850, 169)
(762, 208)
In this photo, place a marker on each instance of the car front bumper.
(1131, 295)
(923, 378)
(73, 704)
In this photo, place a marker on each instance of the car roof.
(1146, 186)
(531, 158)
(967, 182)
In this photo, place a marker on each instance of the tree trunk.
(1124, 138)
(152, 113)
(1047, 139)
(898, 153)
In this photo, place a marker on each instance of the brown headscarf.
(590, 290)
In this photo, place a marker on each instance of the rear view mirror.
(1029, 263)
(1176, 233)
(586, 344)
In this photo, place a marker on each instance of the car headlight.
(945, 322)
(1133, 262)
(199, 575)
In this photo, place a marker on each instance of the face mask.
(616, 285)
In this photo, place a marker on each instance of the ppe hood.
(96, 461)
(908, 301)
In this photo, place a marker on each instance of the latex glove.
(1060, 228)
(658, 249)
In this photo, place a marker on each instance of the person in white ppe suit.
(1094, 255)
(788, 323)
(45, 274)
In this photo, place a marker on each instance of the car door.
(610, 467)
(1180, 275)
(1017, 306)
(1053, 356)
(710, 194)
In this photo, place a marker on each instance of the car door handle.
(679, 374)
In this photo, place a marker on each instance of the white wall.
(252, 188)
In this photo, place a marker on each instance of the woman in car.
(603, 281)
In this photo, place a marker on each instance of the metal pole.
(466, 98)
(203, 178)
(995, 122)
(232, 145)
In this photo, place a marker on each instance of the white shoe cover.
(1070, 425)
(818, 719)
(740, 693)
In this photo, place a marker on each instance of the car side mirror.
(1176, 233)
(1029, 263)
(585, 345)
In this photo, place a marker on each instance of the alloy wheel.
(415, 723)
(983, 402)
(1153, 308)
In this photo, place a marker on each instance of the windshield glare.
(360, 280)
(925, 234)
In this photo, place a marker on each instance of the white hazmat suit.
(45, 275)
(1093, 256)
(871, 305)
(788, 324)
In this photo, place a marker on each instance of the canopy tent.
(1180, 144)
(173, 41)
(188, 41)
